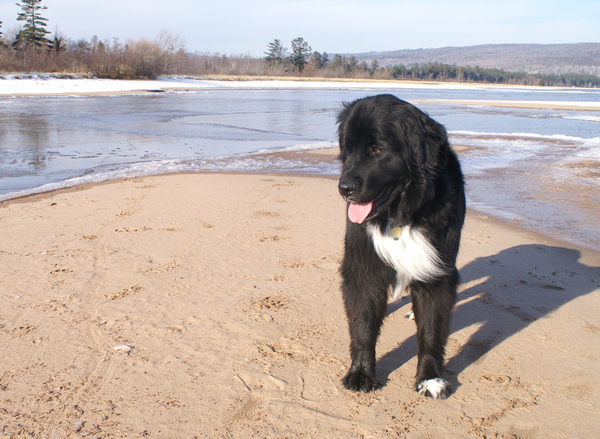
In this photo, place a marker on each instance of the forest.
(31, 49)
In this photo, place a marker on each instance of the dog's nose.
(346, 188)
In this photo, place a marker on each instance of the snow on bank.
(37, 84)
(49, 85)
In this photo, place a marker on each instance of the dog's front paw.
(437, 388)
(361, 381)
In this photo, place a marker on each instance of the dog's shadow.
(502, 294)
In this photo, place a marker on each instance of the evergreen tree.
(83, 46)
(2, 44)
(57, 45)
(19, 44)
(352, 64)
(320, 61)
(339, 60)
(374, 66)
(33, 32)
(300, 53)
(275, 54)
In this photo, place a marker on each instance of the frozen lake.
(535, 166)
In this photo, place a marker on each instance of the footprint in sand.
(273, 238)
(263, 214)
(293, 263)
(124, 292)
(271, 302)
(133, 229)
(125, 213)
(204, 223)
(287, 183)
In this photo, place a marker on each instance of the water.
(537, 167)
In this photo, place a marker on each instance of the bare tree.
(170, 42)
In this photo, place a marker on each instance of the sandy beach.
(208, 305)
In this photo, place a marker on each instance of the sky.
(236, 27)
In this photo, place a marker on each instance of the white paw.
(409, 315)
(437, 388)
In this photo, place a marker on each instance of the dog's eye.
(374, 149)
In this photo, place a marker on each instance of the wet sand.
(208, 305)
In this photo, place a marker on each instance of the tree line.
(453, 73)
(320, 65)
(30, 49)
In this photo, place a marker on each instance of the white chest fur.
(408, 252)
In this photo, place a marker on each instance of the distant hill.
(581, 58)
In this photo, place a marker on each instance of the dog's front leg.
(365, 310)
(366, 280)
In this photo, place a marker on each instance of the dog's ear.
(425, 141)
(345, 112)
(428, 139)
(342, 117)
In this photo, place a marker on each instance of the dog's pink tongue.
(357, 212)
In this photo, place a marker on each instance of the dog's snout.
(346, 188)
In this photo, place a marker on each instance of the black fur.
(389, 146)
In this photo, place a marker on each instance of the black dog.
(406, 208)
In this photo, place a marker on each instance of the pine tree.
(276, 52)
(374, 66)
(56, 45)
(33, 32)
(300, 53)
(1, 39)
(320, 61)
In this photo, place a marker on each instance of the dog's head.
(389, 151)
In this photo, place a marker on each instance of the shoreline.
(45, 195)
(210, 305)
(317, 155)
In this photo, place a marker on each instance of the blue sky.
(236, 27)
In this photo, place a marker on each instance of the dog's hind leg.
(432, 304)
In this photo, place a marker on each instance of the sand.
(207, 305)
(552, 105)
